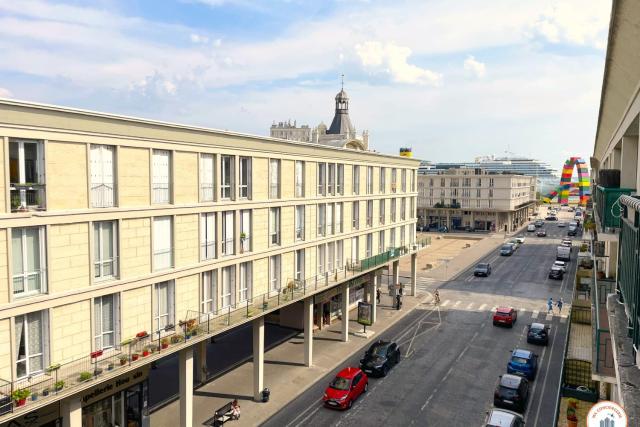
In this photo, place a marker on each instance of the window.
(105, 314)
(207, 162)
(228, 286)
(161, 179)
(490, 203)
(226, 176)
(162, 243)
(340, 180)
(383, 178)
(245, 230)
(356, 180)
(402, 235)
(299, 225)
(31, 343)
(478, 192)
(102, 173)
(369, 247)
(394, 180)
(274, 226)
(228, 231)
(403, 209)
(209, 291)
(163, 307)
(274, 273)
(412, 209)
(381, 242)
(490, 182)
(322, 176)
(404, 180)
(330, 208)
(322, 214)
(394, 209)
(207, 236)
(479, 182)
(382, 211)
(369, 179)
(369, 213)
(299, 265)
(244, 189)
(413, 181)
(274, 179)
(442, 182)
(299, 191)
(338, 218)
(331, 178)
(105, 248)
(339, 254)
(355, 250)
(491, 192)
(28, 261)
(322, 259)
(331, 256)
(392, 237)
(466, 182)
(26, 174)
(355, 215)
(246, 282)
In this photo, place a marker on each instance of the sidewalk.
(284, 372)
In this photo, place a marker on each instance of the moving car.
(573, 231)
(345, 388)
(566, 242)
(507, 249)
(380, 358)
(551, 218)
(505, 316)
(562, 224)
(571, 209)
(503, 418)
(562, 265)
(443, 229)
(539, 223)
(538, 333)
(563, 253)
(524, 363)
(515, 243)
(541, 233)
(512, 392)
(520, 240)
(482, 269)
(531, 227)
(556, 273)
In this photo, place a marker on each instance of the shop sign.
(365, 314)
(106, 389)
(37, 418)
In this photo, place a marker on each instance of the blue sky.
(454, 80)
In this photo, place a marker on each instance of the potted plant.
(134, 356)
(572, 408)
(145, 351)
(20, 396)
(128, 341)
(85, 376)
(142, 334)
(123, 360)
(45, 392)
(164, 343)
(59, 385)
(34, 396)
(53, 367)
(175, 339)
(110, 367)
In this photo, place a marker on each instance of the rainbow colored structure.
(567, 186)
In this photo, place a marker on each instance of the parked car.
(551, 218)
(538, 333)
(562, 224)
(563, 253)
(524, 363)
(520, 240)
(482, 269)
(506, 316)
(515, 243)
(571, 209)
(556, 273)
(345, 388)
(539, 223)
(541, 233)
(573, 231)
(507, 249)
(443, 229)
(566, 242)
(561, 264)
(512, 392)
(503, 418)
(531, 227)
(380, 358)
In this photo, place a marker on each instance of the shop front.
(328, 305)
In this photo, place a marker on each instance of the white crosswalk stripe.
(456, 304)
(534, 314)
(563, 320)
(549, 317)
(444, 304)
(482, 307)
(469, 306)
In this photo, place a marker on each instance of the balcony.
(102, 196)
(608, 207)
(61, 380)
(27, 197)
(445, 205)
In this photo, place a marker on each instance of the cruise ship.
(547, 177)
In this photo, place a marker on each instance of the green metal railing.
(629, 274)
(601, 288)
(607, 205)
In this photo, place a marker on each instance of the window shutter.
(108, 153)
(96, 165)
(161, 167)
(206, 169)
(228, 229)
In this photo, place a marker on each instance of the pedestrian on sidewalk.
(235, 410)
(398, 301)
(559, 304)
(378, 296)
(549, 305)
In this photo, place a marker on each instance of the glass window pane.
(35, 332)
(32, 235)
(16, 250)
(107, 240)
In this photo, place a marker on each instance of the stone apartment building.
(124, 240)
(474, 198)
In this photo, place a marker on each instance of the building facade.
(476, 199)
(123, 237)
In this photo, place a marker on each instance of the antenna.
(342, 81)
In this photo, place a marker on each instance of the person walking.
(436, 297)
(559, 304)
(398, 301)
(549, 305)
(378, 296)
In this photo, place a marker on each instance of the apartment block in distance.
(124, 241)
(475, 199)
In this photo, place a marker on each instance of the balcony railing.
(160, 193)
(27, 197)
(102, 196)
(608, 207)
(245, 244)
(227, 247)
(29, 283)
(207, 250)
(206, 192)
(299, 233)
(274, 191)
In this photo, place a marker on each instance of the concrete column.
(396, 272)
(629, 160)
(308, 331)
(201, 372)
(414, 274)
(345, 312)
(373, 285)
(71, 412)
(258, 358)
(185, 381)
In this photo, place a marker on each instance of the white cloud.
(576, 22)
(474, 66)
(5, 93)
(196, 38)
(392, 59)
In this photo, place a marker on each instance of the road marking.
(482, 307)
(469, 306)
(456, 304)
(493, 308)
(534, 314)
(444, 304)
(317, 408)
(523, 310)
(546, 376)
(563, 320)
(549, 317)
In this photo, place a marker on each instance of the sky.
(451, 79)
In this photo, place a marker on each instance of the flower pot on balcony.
(145, 353)
(135, 357)
(110, 367)
(21, 402)
(123, 361)
(59, 385)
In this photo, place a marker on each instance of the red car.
(505, 316)
(345, 388)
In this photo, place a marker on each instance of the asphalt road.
(452, 356)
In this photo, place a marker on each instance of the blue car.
(523, 363)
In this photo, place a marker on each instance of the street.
(453, 355)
